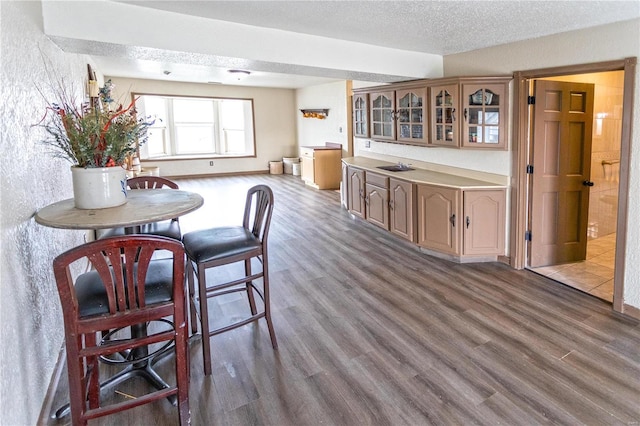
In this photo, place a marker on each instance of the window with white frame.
(190, 127)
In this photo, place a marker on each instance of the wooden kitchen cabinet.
(355, 191)
(401, 206)
(361, 115)
(484, 222)
(438, 218)
(382, 110)
(377, 199)
(411, 115)
(321, 167)
(469, 112)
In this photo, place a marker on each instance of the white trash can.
(296, 169)
(288, 163)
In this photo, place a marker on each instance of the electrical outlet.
(367, 144)
(211, 163)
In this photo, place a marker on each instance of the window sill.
(194, 157)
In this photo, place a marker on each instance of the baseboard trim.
(505, 259)
(206, 175)
(47, 403)
(631, 311)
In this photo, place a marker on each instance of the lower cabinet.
(468, 222)
(377, 199)
(355, 191)
(401, 217)
(438, 218)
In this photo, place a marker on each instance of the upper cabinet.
(360, 115)
(465, 112)
(469, 112)
(382, 106)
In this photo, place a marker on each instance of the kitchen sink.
(396, 168)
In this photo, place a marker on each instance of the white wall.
(605, 43)
(313, 131)
(273, 110)
(31, 330)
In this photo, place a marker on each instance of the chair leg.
(204, 320)
(267, 302)
(192, 298)
(182, 368)
(75, 371)
(252, 300)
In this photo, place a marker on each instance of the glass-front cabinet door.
(484, 115)
(382, 112)
(444, 103)
(411, 115)
(360, 116)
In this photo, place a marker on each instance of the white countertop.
(420, 176)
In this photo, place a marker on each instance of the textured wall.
(30, 320)
(605, 43)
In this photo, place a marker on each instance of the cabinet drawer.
(306, 152)
(376, 179)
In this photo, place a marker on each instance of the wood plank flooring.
(373, 332)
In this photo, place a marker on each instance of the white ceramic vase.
(99, 188)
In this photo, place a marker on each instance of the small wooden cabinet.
(321, 167)
(355, 191)
(361, 115)
(484, 222)
(401, 217)
(438, 218)
(394, 115)
(377, 199)
(470, 113)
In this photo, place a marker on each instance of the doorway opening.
(591, 270)
(522, 151)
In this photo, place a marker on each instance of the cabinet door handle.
(453, 114)
(391, 204)
(468, 222)
(366, 200)
(465, 114)
(452, 219)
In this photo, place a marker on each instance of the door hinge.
(531, 100)
(529, 169)
(527, 236)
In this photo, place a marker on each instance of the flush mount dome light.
(239, 74)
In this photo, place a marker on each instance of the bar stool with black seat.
(214, 247)
(126, 290)
(168, 228)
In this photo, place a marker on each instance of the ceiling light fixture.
(239, 74)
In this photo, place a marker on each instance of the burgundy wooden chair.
(125, 290)
(214, 247)
(167, 228)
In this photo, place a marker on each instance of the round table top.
(142, 206)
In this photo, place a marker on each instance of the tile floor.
(593, 275)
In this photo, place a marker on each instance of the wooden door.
(377, 205)
(355, 191)
(382, 107)
(438, 218)
(444, 120)
(563, 120)
(401, 209)
(484, 222)
(411, 115)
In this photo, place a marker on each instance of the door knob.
(587, 183)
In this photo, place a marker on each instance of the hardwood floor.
(372, 331)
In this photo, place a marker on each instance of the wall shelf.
(315, 113)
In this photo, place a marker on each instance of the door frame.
(520, 154)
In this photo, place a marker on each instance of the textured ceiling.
(433, 27)
(438, 27)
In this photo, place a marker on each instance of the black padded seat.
(165, 228)
(93, 300)
(216, 243)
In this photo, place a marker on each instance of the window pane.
(193, 110)
(194, 140)
(156, 142)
